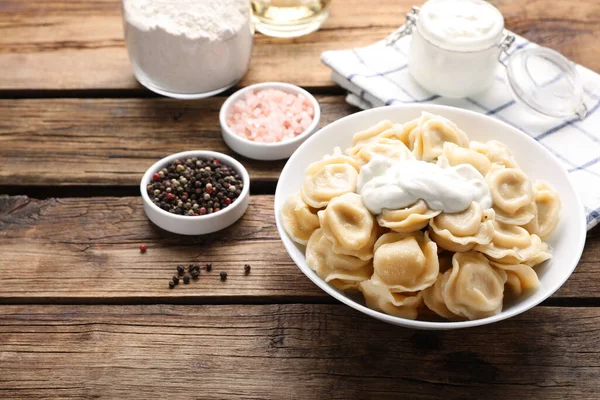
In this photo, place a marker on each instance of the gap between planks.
(131, 93)
(249, 300)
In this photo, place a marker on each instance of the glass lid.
(547, 82)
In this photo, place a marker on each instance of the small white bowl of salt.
(269, 121)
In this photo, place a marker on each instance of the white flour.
(188, 47)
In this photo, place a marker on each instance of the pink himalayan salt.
(270, 116)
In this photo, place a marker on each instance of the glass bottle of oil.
(289, 18)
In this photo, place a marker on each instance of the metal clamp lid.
(507, 40)
(406, 29)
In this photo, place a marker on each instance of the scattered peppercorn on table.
(86, 306)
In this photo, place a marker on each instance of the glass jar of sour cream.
(455, 52)
(455, 46)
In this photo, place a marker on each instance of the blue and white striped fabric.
(377, 75)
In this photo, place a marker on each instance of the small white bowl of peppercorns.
(195, 192)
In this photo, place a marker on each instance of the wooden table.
(85, 315)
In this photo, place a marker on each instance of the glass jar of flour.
(188, 49)
(456, 49)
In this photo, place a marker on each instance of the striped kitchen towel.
(377, 75)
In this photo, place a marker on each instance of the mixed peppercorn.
(193, 271)
(195, 186)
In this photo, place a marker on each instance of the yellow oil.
(289, 17)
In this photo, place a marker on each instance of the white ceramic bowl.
(266, 151)
(537, 162)
(202, 224)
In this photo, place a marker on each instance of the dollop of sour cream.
(390, 184)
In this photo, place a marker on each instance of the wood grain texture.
(86, 250)
(55, 142)
(570, 27)
(289, 352)
(79, 44)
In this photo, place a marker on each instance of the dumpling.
(544, 253)
(497, 152)
(331, 177)
(385, 130)
(474, 289)
(432, 296)
(409, 130)
(389, 148)
(512, 244)
(512, 195)
(349, 226)
(523, 215)
(299, 220)
(510, 189)
(457, 155)
(380, 131)
(372, 132)
(405, 262)
(408, 219)
(460, 232)
(519, 277)
(378, 297)
(433, 131)
(547, 210)
(341, 271)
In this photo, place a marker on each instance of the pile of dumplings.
(418, 262)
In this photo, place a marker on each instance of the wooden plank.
(86, 250)
(570, 27)
(289, 351)
(78, 44)
(52, 142)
